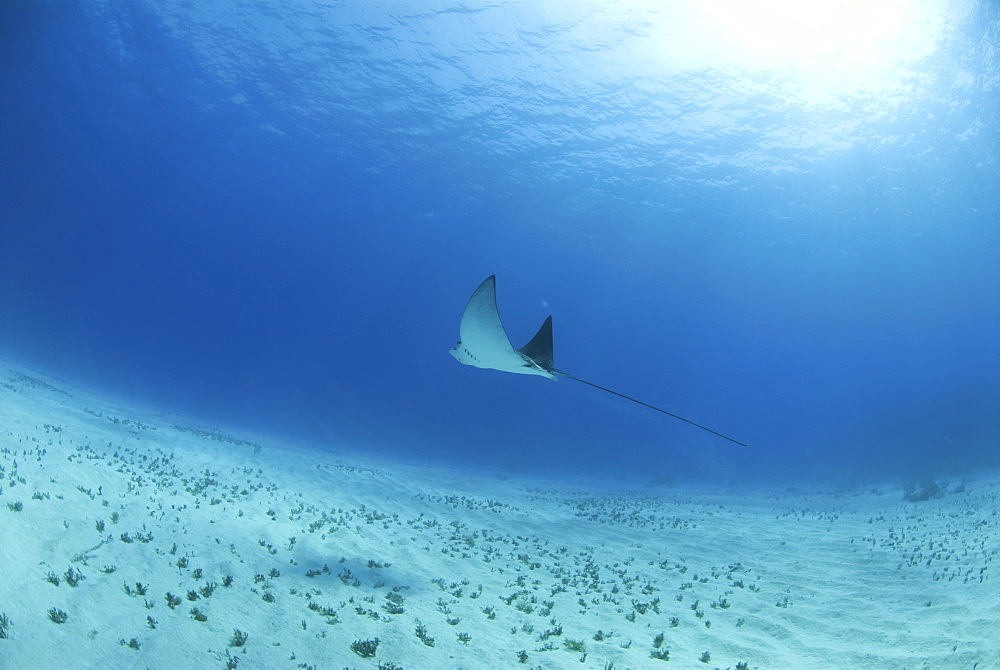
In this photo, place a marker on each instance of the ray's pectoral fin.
(539, 349)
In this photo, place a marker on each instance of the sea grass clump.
(365, 648)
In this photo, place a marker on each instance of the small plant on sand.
(705, 657)
(551, 632)
(392, 606)
(73, 577)
(239, 638)
(57, 615)
(365, 648)
(422, 634)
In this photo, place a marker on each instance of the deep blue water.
(271, 215)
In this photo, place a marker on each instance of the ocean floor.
(131, 539)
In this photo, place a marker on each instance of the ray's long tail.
(644, 404)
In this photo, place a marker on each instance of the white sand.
(849, 579)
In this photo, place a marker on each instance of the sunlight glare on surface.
(838, 45)
(841, 28)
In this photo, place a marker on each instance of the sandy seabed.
(132, 539)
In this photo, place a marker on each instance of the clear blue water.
(270, 215)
